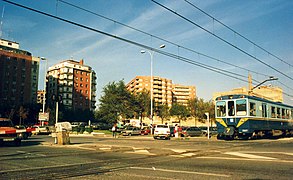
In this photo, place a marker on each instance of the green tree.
(142, 103)
(163, 112)
(198, 108)
(116, 102)
(180, 111)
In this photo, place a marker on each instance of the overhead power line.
(162, 39)
(177, 57)
(222, 39)
(214, 69)
(214, 19)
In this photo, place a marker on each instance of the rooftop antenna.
(1, 24)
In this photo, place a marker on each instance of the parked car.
(212, 130)
(25, 134)
(41, 130)
(130, 130)
(145, 131)
(191, 131)
(162, 132)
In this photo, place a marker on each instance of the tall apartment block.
(75, 82)
(19, 72)
(164, 92)
(182, 94)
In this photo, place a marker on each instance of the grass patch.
(103, 131)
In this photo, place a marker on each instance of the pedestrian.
(114, 130)
(176, 131)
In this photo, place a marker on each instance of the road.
(145, 158)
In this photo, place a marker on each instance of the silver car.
(130, 130)
(191, 131)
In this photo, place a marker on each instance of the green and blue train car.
(244, 116)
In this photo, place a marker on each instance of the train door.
(265, 115)
(231, 108)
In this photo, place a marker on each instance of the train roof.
(239, 96)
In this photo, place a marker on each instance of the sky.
(187, 34)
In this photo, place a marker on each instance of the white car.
(162, 132)
(41, 130)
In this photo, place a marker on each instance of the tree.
(180, 111)
(198, 108)
(142, 103)
(163, 112)
(23, 114)
(116, 102)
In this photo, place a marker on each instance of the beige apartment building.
(164, 91)
(267, 92)
(182, 94)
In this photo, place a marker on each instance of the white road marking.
(248, 155)
(178, 150)
(243, 159)
(105, 149)
(265, 152)
(177, 171)
(188, 154)
(140, 151)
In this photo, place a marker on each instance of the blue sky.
(268, 23)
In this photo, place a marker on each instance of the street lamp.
(208, 119)
(271, 78)
(152, 56)
(44, 98)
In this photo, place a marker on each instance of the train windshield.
(241, 107)
(221, 108)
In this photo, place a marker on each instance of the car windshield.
(203, 127)
(6, 124)
(129, 128)
(162, 126)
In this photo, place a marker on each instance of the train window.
(283, 113)
(278, 113)
(252, 108)
(264, 110)
(231, 108)
(287, 114)
(273, 112)
(241, 107)
(221, 108)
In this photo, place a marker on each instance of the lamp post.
(44, 98)
(152, 57)
(208, 119)
(271, 78)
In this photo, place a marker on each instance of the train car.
(244, 117)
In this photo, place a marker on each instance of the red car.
(145, 131)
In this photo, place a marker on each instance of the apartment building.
(74, 82)
(267, 92)
(19, 72)
(182, 94)
(40, 96)
(164, 91)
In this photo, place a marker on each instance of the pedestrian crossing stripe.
(250, 156)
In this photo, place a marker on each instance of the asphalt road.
(142, 157)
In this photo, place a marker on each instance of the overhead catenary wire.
(237, 33)
(183, 59)
(162, 39)
(214, 69)
(222, 39)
